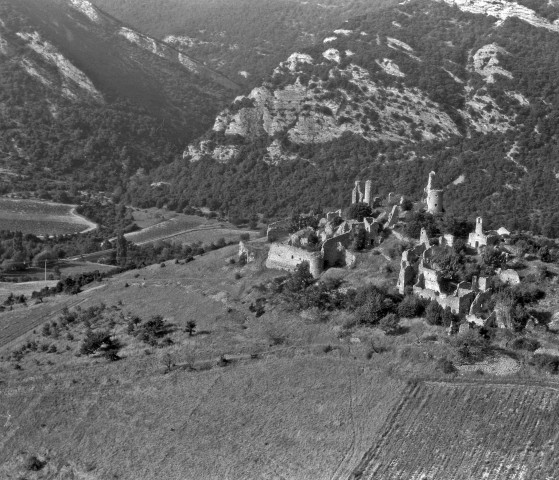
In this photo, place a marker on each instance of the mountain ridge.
(66, 64)
(416, 88)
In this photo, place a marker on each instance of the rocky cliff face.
(380, 80)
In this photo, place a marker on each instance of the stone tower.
(356, 194)
(435, 201)
(367, 198)
(479, 226)
(429, 185)
(433, 198)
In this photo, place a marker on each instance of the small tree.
(168, 362)
(409, 307)
(190, 327)
(100, 342)
(300, 279)
(434, 313)
(407, 205)
(358, 211)
(493, 258)
(358, 238)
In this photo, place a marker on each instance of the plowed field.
(466, 431)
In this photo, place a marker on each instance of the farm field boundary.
(14, 325)
(458, 430)
(42, 218)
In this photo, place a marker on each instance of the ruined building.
(478, 238)
(418, 270)
(327, 246)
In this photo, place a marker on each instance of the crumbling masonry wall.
(286, 257)
(334, 250)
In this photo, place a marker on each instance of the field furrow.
(465, 431)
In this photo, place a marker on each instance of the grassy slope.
(227, 423)
(293, 414)
(298, 412)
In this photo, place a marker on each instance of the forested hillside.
(424, 86)
(243, 38)
(87, 100)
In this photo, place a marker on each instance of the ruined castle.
(335, 234)
(327, 245)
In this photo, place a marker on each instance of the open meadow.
(41, 218)
(282, 394)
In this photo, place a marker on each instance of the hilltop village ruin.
(330, 242)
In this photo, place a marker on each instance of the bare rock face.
(378, 94)
(503, 9)
(314, 113)
(553, 325)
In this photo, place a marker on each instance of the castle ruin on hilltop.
(327, 242)
(330, 241)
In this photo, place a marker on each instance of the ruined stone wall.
(253, 251)
(509, 276)
(285, 257)
(458, 305)
(430, 279)
(278, 230)
(334, 250)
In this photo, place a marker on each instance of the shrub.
(548, 363)
(152, 329)
(300, 279)
(100, 342)
(407, 205)
(524, 343)
(410, 307)
(33, 464)
(434, 313)
(358, 211)
(446, 366)
(389, 323)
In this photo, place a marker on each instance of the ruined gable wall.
(334, 250)
(431, 279)
(285, 257)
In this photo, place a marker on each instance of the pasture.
(41, 218)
